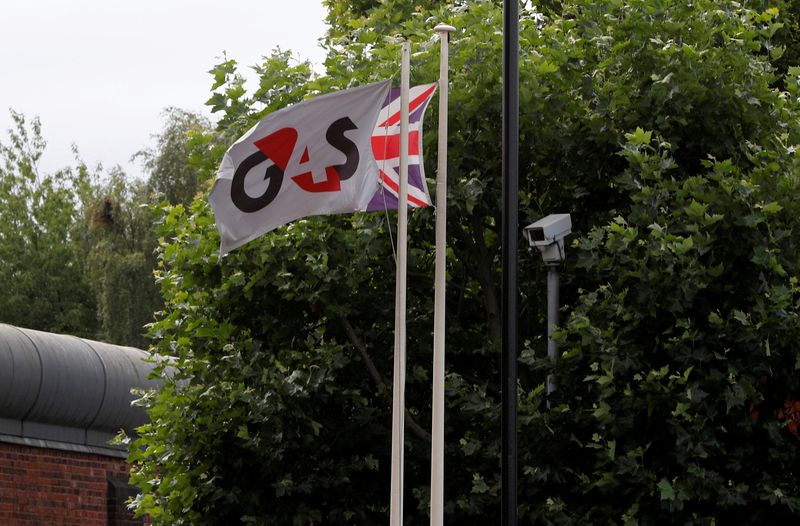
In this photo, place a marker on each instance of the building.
(62, 399)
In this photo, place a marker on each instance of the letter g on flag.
(279, 147)
(312, 158)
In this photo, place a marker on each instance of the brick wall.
(51, 487)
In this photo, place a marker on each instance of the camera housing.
(547, 234)
(548, 229)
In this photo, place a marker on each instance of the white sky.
(98, 73)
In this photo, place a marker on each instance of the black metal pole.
(509, 239)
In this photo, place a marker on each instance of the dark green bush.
(661, 126)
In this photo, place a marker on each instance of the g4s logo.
(279, 147)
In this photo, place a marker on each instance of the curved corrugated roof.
(67, 392)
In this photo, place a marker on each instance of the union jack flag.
(386, 149)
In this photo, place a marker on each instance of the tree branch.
(362, 349)
(411, 424)
(480, 266)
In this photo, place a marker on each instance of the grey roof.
(66, 392)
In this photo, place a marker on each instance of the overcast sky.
(98, 73)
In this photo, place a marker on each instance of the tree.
(77, 246)
(660, 127)
(172, 174)
(42, 272)
(117, 226)
(681, 346)
(117, 236)
(121, 240)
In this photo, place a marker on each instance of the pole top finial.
(444, 28)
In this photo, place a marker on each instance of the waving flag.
(311, 158)
(386, 148)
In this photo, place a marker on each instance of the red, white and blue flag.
(386, 149)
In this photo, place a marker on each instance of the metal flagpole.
(437, 424)
(509, 256)
(398, 398)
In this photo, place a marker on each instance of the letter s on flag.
(312, 158)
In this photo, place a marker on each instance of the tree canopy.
(78, 246)
(669, 131)
(41, 267)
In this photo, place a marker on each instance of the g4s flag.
(312, 158)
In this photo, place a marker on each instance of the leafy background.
(667, 129)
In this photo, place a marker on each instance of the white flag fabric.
(312, 158)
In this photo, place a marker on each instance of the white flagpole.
(437, 424)
(399, 387)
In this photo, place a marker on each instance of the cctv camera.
(547, 234)
(548, 230)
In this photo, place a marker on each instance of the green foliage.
(77, 247)
(680, 350)
(784, 47)
(41, 269)
(119, 242)
(664, 129)
(280, 83)
(669, 408)
(172, 174)
(282, 413)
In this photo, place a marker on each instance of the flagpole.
(437, 424)
(398, 389)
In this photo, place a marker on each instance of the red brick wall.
(46, 486)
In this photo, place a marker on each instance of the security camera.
(548, 235)
(548, 229)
